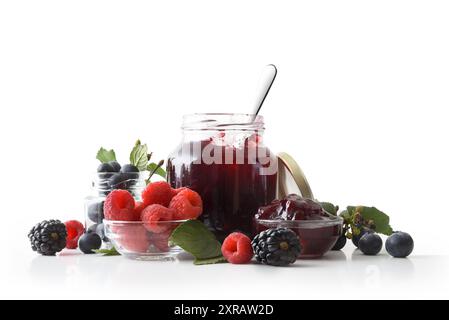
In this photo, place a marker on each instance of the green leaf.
(159, 171)
(199, 262)
(106, 155)
(345, 215)
(329, 207)
(139, 156)
(195, 238)
(108, 252)
(380, 219)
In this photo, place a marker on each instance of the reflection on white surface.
(358, 276)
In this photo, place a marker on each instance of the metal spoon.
(266, 81)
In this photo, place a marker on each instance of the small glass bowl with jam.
(317, 230)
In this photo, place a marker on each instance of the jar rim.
(223, 121)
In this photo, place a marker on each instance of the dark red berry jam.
(231, 193)
(318, 231)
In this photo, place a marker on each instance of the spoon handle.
(266, 80)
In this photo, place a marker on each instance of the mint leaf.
(380, 219)
(329, 207)
(195, 238)
(200, 262)
(108, 252)
(159, 171)
(106, 155)
(139, 156)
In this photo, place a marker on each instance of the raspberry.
(154, 216)
(187, 205)
(157, 193)
(132, 237)
(160, 240)
(237, 248)
(138, 207)
(174, 192)
(119, 206)
(75, 230)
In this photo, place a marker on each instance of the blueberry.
(105, 167)
(95, 211)
(129, 168)
(119, 181)
(131, 171)
(115, 166)
(341, 242)
(356, 238)
(89, 242)
(370, 244)
(92, 228)
(399, 244)
(100, 231)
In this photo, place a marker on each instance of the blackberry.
(48, 237)
(276, 247)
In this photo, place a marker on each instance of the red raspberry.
(187, 204)
(119, 206)
(157, 193)
(132, 237)
(138, 207)
(237, 248)
(75, 230)
(154, 216)
(174, 192)
(160, 240)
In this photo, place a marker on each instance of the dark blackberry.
(48, 237)
(276, 247)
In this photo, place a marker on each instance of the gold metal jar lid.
(291, 179)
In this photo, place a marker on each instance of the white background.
(360, 100)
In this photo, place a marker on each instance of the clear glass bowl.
(317, 237)
(141, 240)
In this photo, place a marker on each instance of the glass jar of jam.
(223, 158)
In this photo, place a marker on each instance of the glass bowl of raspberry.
(143, 240)
(317, 230)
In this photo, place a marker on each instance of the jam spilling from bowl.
(317, 229)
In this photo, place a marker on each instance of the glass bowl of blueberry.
(317, 229)
(110, 176)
